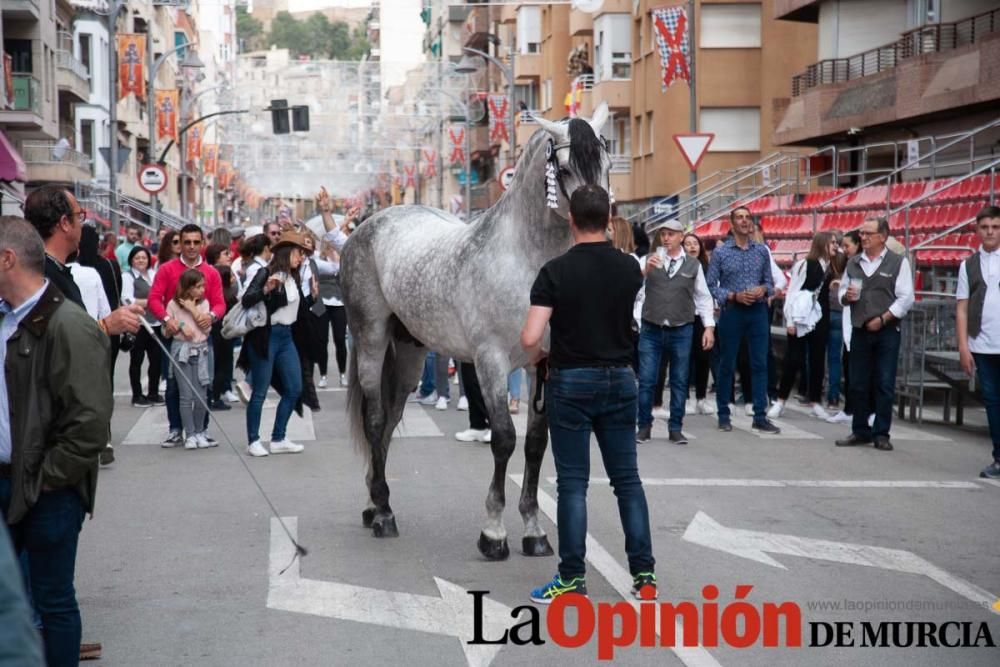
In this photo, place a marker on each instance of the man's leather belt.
(6, 471)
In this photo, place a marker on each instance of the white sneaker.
(163, 387)
(442, 403)
(748, 409)
(819, 413)
(256, 448)
(414, 397)
(474, 435)
(871, 420)
(343, 380)
(840, 418)
(191, 442)
(776, 410)
(689, 407)
(661, 413)
(285, 446)
(230, 397)
(203, 441)
(430, 399)
(244, 390)
(705, 408)
(322, 382)
(463, 404)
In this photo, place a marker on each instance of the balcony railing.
(66, 61)
(528, 116)
(621, 164)
(932, 38)
(49, 152)
(26, 96)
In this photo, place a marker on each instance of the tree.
(317, 37)
(249, 30)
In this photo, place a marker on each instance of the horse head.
(576, 154)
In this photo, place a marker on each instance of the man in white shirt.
(878, 285)
(977, 320)
(676, 293)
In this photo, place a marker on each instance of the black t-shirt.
(591, 290)
(60, 276)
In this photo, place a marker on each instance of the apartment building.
(893, 72)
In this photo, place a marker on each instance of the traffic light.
(300, 118)
(279, 116)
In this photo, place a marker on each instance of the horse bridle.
(551, 150)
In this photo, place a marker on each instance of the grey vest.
(671, 299)
(977, 293)
(141, 289)
(329, 287)
(878, 291)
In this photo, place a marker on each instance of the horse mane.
(585, 150)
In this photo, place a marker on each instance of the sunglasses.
(175, 242)
(192, 243)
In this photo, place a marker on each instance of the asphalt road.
(179, 565)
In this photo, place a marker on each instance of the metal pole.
(113, 113)
(184, 183)
(468, 166)
(693, 97)
(150, 115)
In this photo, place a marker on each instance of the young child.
(193, 352)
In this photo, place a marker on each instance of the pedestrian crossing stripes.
(899, 430)
(416, 423)
(802, 483)
(152, 426)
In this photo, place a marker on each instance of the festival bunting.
(225, 174)
(673, 43)
(457, 144)
(210, 157)
(499, 106)
(166, 113)
(430, 158)
(194, 136)
(411, 175)
(131, 76)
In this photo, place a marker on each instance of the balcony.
(797, 10)
(27, 110)
(581, 23)
(25, 10)
(527, 67)
(616, 92)
(72, 76)
(50, 163)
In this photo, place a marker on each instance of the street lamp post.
(508, 73)
(181, 142)
(191, 60)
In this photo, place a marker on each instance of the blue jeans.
(988, 371)
(283, 360)
(49, 535)
(172, 396)
(427, 378)
(875, 356)
(602, 400)
(736, 323)
(834, 359)
(654, 342)
(514, 383)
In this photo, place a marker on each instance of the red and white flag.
(430, 160)
(457, 136)
(673, 41)
(499, 106)
(411, 175)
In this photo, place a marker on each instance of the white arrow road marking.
(755, 545)
(805, 483)
(621, 581)
(451, 614)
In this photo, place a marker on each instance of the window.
(649, 124)
(622, 137)
(613, 47)
(529, 29)
(87, 138)
(730, 26)
(638, 36)
(547, 94)
(735, 128)
(638, 136)
(527, 93)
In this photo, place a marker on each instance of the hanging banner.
(225, 174)
(574, 98)
(194, 143)
(7, 100)
(210, 157)
(674, 44)
(411, 175)
(499, 106)
(166, 114)
(457, 144)
(430, 160)
(131, 70)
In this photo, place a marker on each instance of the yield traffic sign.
(694, 146)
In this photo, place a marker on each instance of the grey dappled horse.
(416, 278)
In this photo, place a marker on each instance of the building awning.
(12, 167)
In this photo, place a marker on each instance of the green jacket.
(59, 391)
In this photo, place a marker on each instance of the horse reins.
(541, 374)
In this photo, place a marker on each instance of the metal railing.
(931, 38)
(49, 152)
(26, 97)
(621, 164)
(66, 61)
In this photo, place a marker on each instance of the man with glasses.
(739, 277)
(164, 286)
(878, 286)
(58, 218)
(273, 231)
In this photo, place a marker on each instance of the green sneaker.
(550, 591)
(641, 581)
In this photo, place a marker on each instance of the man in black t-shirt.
(586, 297)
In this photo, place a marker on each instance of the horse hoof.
(536, 546)
(384, 526)
(367, 517)
(493, 549)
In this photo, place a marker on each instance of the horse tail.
(355, 405)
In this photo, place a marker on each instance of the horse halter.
(553, 177)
